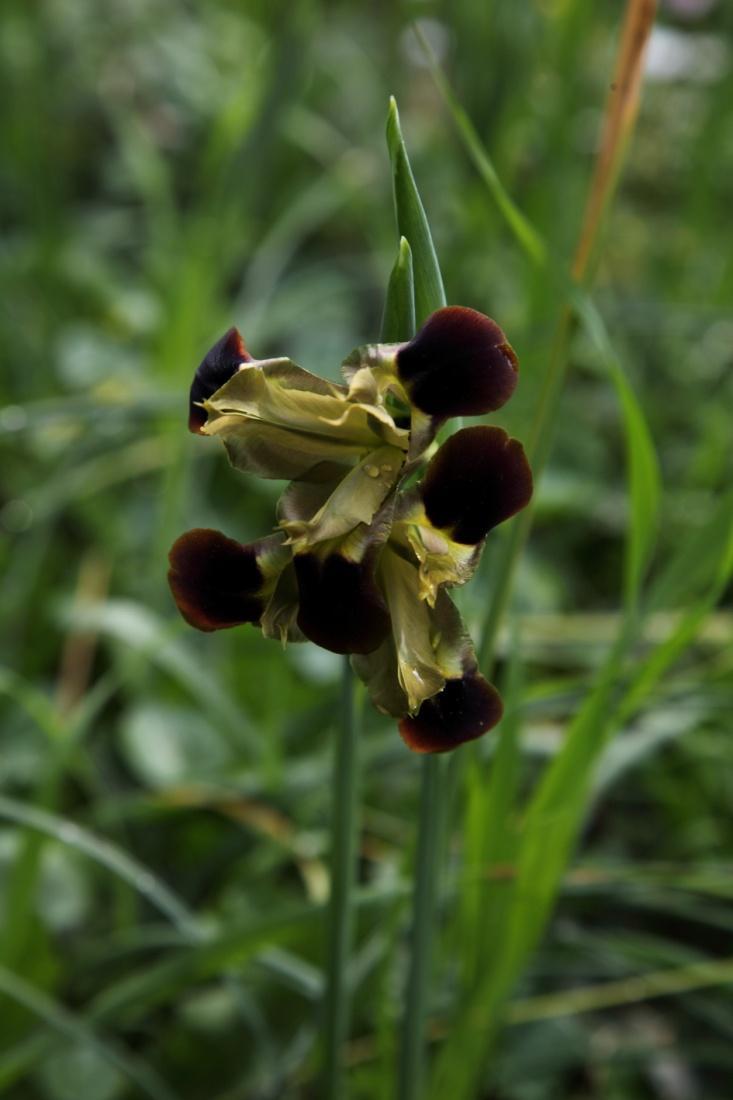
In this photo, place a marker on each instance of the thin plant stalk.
(416, 290)
(414, 1037)
(344, 831)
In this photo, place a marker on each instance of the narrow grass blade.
(412, 223)
(622, 105)
(548, 832)
(108, 855)
(554, 819)
(659, 660)
(523, 230)
(644, 488)
(492, 832)
(133, 995)
(642, 465)
(18, 1060)
(687, 572)
(644, 987)
(137, 627)
(73, 1028)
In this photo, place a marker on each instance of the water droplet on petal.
(371, 471)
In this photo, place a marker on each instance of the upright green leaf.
(398, 322)
(412, 223)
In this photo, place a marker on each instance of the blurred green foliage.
(170, 169)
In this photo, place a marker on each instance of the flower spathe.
(358, 563)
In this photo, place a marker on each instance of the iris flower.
(364, 550)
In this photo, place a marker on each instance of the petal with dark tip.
(478, 478)
(413, 630)
(465, 709)
(279, 421)
(458, 364)
(341, 606)
(217, 367)
(218, 582)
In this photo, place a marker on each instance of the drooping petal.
(458, 364)
(217, 367)
(218, 582)
(425, 673)
(341, 606)
(463, 710)
(479, 478)
(431, 643)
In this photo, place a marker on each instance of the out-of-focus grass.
(168, 171)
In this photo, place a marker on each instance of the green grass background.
(169, 169)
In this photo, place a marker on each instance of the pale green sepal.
(303, 498)
(371, 373)
(441, 561)
(269, 451)
(279, 619)
(417, 670)
(427, 647)
(454, 652)
(378, 361)
(280, 393)
(355, 501)
(423, 430)
(273, 554)
(378, 671)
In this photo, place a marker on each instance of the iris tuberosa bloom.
(359, 563)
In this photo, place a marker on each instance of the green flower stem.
(344, 831)
(414, 1039)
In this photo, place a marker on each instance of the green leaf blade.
(412, 223)
(398, 321)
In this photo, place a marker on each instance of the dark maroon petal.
(462, 711)
(478, 478)
(220, 363)
(341, 606)
(215, 580)
(459, 364)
